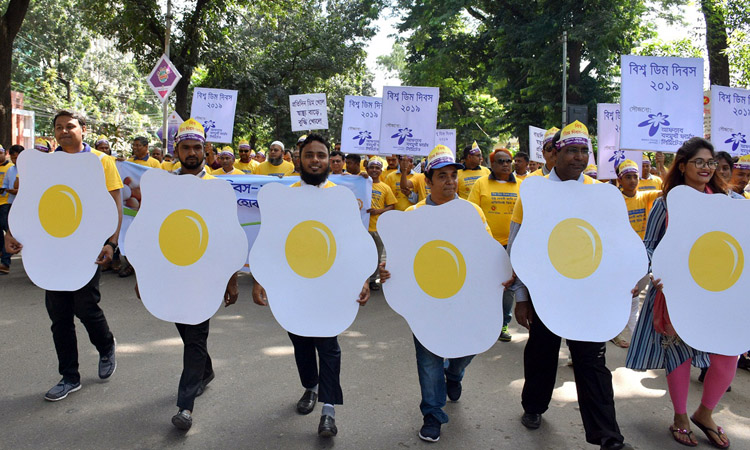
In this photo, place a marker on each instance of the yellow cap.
(575, 133)
(190, 129)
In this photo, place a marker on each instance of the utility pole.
(165, 110)
(565, 80)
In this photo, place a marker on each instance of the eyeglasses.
(701, 163)
(504, 161)
(577, 151)
(244, 151)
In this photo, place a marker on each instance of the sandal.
(718, 432)
(680, 431)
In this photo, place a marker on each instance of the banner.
(308, 112)
(608, 132)
(536, 138)
(447, 138)
(360, 130)
(130, 173)
(730, 120)
(173, 121)
(214, 109)
(662, 102)
(409, 120)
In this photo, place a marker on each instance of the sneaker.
(453, 389)
(430, 430)
(4, 269)
(204, 383)
(108, 363)
(61, 390)
(182, 420)
(374, 286)
(504, 335)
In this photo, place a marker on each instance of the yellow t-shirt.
(220, 171)
(386, 172)
(497, 200)
(420, 186)
(111, 174)
(394, 182)
(3, 170)
(638, 208)
(248, 167)
(382, 196)
(747, 195)
(328, 184)
(266, 168)
(518, 209)
(652, 184)
(150, 162)
(521, 177)
(171, 166)
(479, 211)
(537, 173)
(467, 178)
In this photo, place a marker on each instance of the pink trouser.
(718, 378)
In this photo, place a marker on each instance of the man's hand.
(657, 283)
(364, 295)
(259, 295)
(105, 255)
(12, 246)
(524, 312)
(375, 211)
(384, 274)
(509, 283)
(232, 292)
(659, 158)
(364, 175)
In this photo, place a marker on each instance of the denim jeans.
(508, 299)
(433, 372)
(4, 256)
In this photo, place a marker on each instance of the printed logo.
(163, 74)
(363, 136)
(402, 134)
(655, 120)
(618, 157)
(207, 125)
(736, 139)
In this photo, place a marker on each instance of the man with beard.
(275, 165)
(246, 164)
(319, 382)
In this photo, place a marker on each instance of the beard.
(312, 178)
(191, 163)
(275, 161)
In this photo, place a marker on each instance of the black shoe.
(702, 376)
(306, 404)
(504, 335)
(531, 421)
(374, 286)
(453, 389)
(61, 390)
(204, 383)
(107, 362)
(613, 444)
(430, 430)
(327, 427)
(743, 362)
(182, 420)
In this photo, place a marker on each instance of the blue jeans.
(4, 256)
(508, 299)
(433, 372)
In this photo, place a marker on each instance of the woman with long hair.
(695, 166)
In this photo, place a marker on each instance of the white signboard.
(360, 130)
(308, 112)
(730, 120)
(214, 109)
(536, 139)
(409, 120)
(701, 261)
(446, 137)
(662, 102)
(608, 133)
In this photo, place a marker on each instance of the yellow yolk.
(440, 269)
(60, 211)
(310, 249)
(183, 237)
(716, 261)
(575, 249)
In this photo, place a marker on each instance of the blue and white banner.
(360, 131)
(214, 109)
(730, 120)
(662, 102)
(608, 134)
(536, 139)
(409, 120)
(446, 137)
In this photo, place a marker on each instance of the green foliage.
(683, 48)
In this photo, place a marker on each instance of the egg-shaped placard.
(312, 256)
(185, 244)
(446, 276)
(63, 215)
(701, 262)
(579, 257)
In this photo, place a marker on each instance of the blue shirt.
(9, 181)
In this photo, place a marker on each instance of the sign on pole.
(409, 120)
(608, 132)
(163, 78)
(173, 121)
(214, 109)
(308, 112)
(536, 139)
(446, 137)
(730, 120)
(662, 102)
(360, 130)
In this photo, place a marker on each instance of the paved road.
(251, 402)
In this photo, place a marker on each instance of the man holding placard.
(548, 152)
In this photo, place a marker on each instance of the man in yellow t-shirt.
(472, 171)
(597, 406)
(245, 163)
(275, 165)
(382, 200)
(336, 161)
(226, 159)
(392, 161)
(521, 166)
(394, 182)
(140, 153)
(648, 182)
(5, 164)
(741, 175)
(320, 379)
(354, 164)
(548, 152)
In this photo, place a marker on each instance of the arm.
(108, 251)
(232, 292)
(259, 294)
(523, 310)
(659, 158)
(12, 246)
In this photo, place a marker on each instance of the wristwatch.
(114, 246)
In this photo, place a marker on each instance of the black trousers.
(327, 378)
(62, 306)
(196, 362)
(593, 381)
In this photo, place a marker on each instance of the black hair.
(315, 137)
(725, 156)
(15, 149)
(522, 155)
(467, 149)
(354, 157)
(142, 139)
(72, 114)
(337, 153)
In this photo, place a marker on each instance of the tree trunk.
(574, 71)
(716, 43)
(181, 92)
(9, 25)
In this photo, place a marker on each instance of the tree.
(10, 24)
(716, 42)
